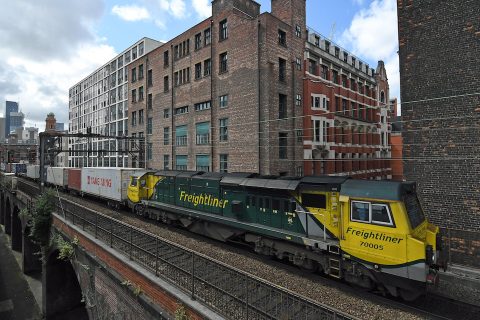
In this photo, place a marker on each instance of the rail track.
(231, 290)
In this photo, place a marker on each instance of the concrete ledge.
(158, 291)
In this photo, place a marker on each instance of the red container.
(75, 179)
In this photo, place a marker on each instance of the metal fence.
(230, 292)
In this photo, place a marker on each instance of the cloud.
(177, 8)
(202, 7)
(48, 46)
(131, 12)
(373, 35)
(358, 2)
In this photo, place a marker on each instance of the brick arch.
(62, 292)
(16, 230)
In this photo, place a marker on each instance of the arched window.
(382, 97)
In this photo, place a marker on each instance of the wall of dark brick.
(439, 48)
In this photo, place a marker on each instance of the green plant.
(24, 214)
(181, 313)
(42, 219)
(65, 248)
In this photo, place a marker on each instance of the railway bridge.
(97, 267)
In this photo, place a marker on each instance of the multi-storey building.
(98, 104)
(222, 95)
(10, 107)
(346, 113)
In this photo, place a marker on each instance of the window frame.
(370, 220)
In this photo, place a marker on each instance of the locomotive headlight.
(429, 255)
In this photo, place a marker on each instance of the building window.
(223, 129)
(337, 52)
(198, 71)
(344, 81)
(140, 93)
(134, 74)
(181, 110)
(298, 63)
(282, 37)
(165, 59)
(140, 71)
(223, 30)
(165, 84)
(335, 76)
(207, 67)
(298, 100)
(140, 116)
(223, 162)
(223, 62)
(149, 125)
(149, 78)
(282, 143)
(150, 101)
(324, 72)
(203, 162)
(299, 134)
(134, 118)
(149, 151)
(312, 66)
(198, 41)
(317, 41)
(166, 113)
(166, 136)
(353, 61)
(134, 95)
(327, 46)
(282, 106)
(224, 101)
(298, 31)
(282, 69)
(203, 133)
(344, 106)
(134, 53)
(181, 135)
(202, 106)
(181, 162)
(166, 162)
(345, 56)
(207, 36)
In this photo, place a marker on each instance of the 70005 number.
(371, 245)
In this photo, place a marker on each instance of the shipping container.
(19, 168)
(57, 176)
(108, 183)
(75, 179)
(8, 168)
(33, 171)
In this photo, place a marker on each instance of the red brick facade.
(346, 113)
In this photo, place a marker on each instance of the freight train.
(372, 234)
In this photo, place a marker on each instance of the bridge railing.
(229, 291)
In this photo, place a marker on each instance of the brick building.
(439, 44)
(396, 143)
(346, 113)
(220, 96)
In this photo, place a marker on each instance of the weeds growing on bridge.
(42, 219)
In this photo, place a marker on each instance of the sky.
(48, 46)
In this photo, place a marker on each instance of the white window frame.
(370, 221)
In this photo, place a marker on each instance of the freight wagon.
(33, 171)
(58, 176)
(75, 180)
(110, 184)
(19, 168)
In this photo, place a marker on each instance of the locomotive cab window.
(367, 212)
(314, 200)
(133, 183)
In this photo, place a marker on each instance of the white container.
(33, 171)
(108, 183)
(57, 176)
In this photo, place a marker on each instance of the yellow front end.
(141, 187)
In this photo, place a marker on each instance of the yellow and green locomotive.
(370, 233)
